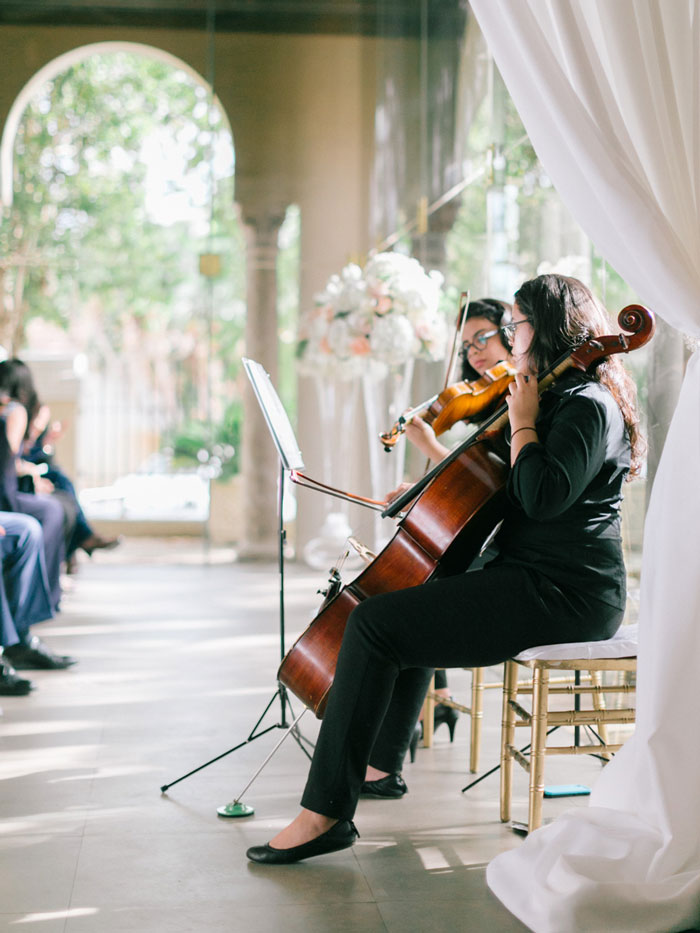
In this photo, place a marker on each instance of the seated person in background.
(11, 684)
(45, 508)
(21, 406)
(24, 600)
(38, 450)
(484, 345)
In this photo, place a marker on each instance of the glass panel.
(458, 184)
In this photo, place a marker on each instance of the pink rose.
(359, 346)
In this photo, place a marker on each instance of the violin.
(455, 508)
(461, 401)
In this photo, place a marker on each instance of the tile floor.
(178, 651)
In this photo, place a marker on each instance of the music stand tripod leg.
(235, 808)
(254, 734)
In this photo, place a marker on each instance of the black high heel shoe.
(447, 714)
(417, 734)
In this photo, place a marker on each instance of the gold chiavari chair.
(617, 654)
(475, 711)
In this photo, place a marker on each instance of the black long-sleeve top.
(564, 492)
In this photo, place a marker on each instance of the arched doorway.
(146, 322)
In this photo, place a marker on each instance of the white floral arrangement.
(371, 320)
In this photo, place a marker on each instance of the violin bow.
(461, 318)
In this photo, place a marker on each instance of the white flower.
(392, 340)
(431, 330)
(361, 320)
(339, 338)
(351, 273)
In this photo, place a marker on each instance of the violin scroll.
(390, 437)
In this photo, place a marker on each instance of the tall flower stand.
(385, 398)
(337, 401)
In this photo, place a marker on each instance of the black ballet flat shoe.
(340, 836)
(447, 714)
(391, 786)
(10, 684)
(34, 655)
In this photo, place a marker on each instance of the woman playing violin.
(483, 346)
(559, 575)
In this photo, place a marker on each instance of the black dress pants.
(393, 641)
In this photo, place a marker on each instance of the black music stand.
(290, 459)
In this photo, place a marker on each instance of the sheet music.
(276, 417)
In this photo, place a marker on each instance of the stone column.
(260, 463)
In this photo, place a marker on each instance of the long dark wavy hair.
(563, 313)
(16, 382)
(494, 310)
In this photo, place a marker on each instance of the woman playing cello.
(559, 575)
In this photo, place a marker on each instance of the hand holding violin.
(422, 435)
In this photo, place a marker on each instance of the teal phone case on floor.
(566, 790)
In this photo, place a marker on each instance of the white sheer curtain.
(609, 92)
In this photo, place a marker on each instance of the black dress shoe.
(393, 785)
(340, 836)
(10, 684)
(34, 655)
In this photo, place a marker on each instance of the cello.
(455, 507)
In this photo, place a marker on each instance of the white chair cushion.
(623, 644)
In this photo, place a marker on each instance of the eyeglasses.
(481, 337)
(508, 330)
